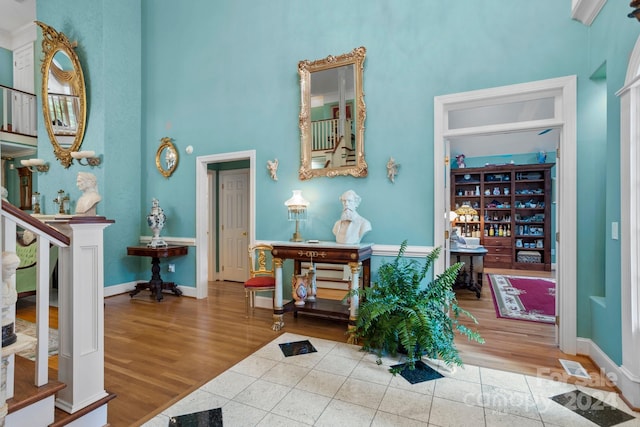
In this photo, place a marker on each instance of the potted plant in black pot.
(400, 313)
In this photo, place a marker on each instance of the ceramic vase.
(156, 220)
(299, 290)
(311, 284)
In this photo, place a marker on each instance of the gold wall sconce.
(89, 156)
(39, 164)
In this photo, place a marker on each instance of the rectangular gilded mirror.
(332, 114)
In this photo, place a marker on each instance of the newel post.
(81, 312)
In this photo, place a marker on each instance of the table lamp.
(297, 211)
(466, 212)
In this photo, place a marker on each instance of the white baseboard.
(629, 387)
(125, 288)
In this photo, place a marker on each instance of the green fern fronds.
(399, 312)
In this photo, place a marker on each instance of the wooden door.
(24, 106)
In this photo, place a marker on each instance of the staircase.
(77, 397)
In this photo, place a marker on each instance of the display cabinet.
(513, 220)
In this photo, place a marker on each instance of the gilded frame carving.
(305, 70)
(52, 43)
(170, 157)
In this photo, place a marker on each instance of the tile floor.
(338, 385)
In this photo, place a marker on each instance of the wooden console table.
(156, 285)
(356, 256)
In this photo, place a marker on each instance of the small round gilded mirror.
(166, 157)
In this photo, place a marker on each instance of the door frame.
(564, 91)
(203, 205)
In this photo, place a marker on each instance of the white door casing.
(563, 90)
(203, 205)
(629, 380)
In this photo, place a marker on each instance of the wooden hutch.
(513, 204)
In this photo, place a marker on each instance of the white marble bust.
(350, 228)
(90, 198)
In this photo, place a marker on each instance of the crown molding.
(586, 11)
(22, 36)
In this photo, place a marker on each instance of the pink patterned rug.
(524, 298)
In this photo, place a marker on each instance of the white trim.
(586, 11)
(20, 37)
(125, 288)
(181, 241)
(212, 183)
(202, 210)
(410, 251)
(628, 385)
(630, 226)
(564, 91)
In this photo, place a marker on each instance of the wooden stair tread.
(25, 392)
(62, 418)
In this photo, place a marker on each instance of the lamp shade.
(466, 210)
(297, 206)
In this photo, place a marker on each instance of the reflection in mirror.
(166, 157)
(332, 114)
(63, 94)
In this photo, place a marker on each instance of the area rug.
(524, 298)
(29, 328)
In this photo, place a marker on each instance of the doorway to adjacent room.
(560, 95)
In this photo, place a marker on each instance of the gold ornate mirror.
(63, 94)
(166, 157)
(332, 114)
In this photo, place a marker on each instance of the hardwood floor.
(157, 353)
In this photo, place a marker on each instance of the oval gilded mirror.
(332, 115)
(166, 157)
(63, 94)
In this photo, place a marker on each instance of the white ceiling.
(16, 14)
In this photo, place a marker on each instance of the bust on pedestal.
(90, 198)
(350, 228)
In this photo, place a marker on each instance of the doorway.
(205, 197)
(560, 96)
(232, 237)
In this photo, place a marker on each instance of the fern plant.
(399, 314)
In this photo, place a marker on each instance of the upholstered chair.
(262, 274)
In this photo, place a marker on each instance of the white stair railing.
(19, 111)
(12, 218)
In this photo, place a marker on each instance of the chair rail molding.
(586, 11)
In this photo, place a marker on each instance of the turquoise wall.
(222, 77)
(611, 41)
(109, 47)
(6, 67)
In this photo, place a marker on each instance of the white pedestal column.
(81, 313)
